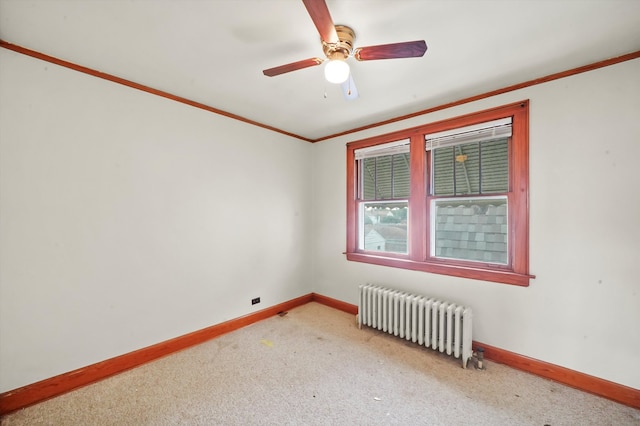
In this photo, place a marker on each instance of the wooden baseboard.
(40, 391)
(37, 392)
(584, 382)
(335, 303)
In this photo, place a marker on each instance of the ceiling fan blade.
(306, 63)
(321, 17)
(349, 89)
(408, 49)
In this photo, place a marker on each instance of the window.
(383, 188)
(470, 175)
(450, 197)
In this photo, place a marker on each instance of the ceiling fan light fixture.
(336, 71)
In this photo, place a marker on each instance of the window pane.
(467, 169)
(401, 176)
(384, 227)
(385, 177)
(472, 229)
(495, 166)
(368, 178)
(442, 171)
(471, 169)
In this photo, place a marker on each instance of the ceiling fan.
(337, 45)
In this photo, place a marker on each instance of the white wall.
(127, 219)
(583, 309)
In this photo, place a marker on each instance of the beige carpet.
(313, 366)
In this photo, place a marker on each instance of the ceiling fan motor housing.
(343, 48)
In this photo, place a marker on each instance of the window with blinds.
(470, 166)
(384, 171)
(471, 161)
(384, 188)
(448, 197)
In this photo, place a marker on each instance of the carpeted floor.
(313, 366)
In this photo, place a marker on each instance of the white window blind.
(396, 147)
(476, 133)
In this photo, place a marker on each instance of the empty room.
(319, 212)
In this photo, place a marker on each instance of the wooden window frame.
(516, 272)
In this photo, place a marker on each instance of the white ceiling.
(214, 51)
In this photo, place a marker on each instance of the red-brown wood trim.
(335, 303)
(550, 77)
(420, 130)
(352, 214)
(142, 87)
(418, 226)
(37, 392)
(581, 381)
(535, 81)
(497, 276)
(584, 382)
(519, 197)
(420, 259)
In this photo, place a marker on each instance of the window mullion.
(418, 225)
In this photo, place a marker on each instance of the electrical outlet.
(255, 301)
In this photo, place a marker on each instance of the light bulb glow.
(336, 71)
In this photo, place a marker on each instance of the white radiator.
(433, 323)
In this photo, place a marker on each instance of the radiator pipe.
(480, 358)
